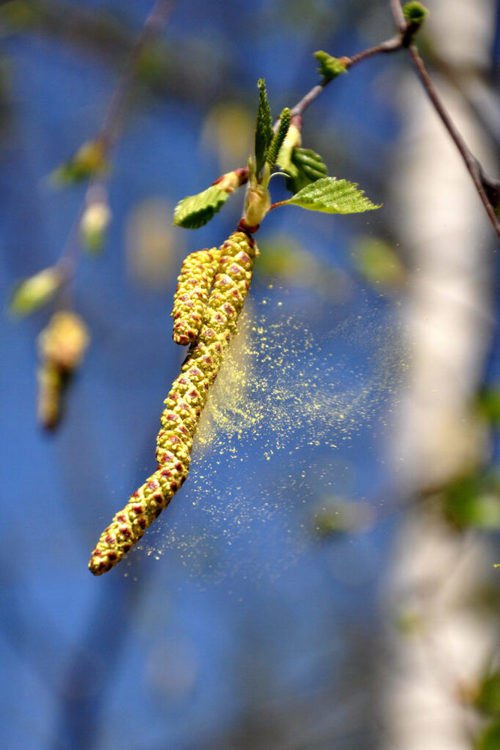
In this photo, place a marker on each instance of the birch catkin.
(190, 299)
(184, 404)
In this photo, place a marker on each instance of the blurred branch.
(111, 128)
(111, 39)
(153, 26)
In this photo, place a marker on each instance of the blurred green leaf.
(32, 293)
(88, 161)
(21, 14)
(488, 698)
(153, 62)
(196, 210)
(488, 404)
(338, 516)
(408, 622)
(474, 501)
(332, 196)
(378, 262)
(490, 738)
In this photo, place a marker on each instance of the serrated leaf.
(329, 67)
(35, 291)
(306, 166)
(263, 127)
(196, 210)
(332, 196)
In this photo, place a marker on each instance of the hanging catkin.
(183, 404)
(190, 299)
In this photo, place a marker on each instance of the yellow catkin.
(193, 288)
(183, 405)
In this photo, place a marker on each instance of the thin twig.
(390, 45)
(475, 169)
(153, 26)
(471, 163)
(110, 130)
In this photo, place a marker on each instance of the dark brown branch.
(471, 163)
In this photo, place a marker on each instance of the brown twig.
(390, 45)
(471, 163)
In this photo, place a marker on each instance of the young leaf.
(89, 160)
(415, 12)
(285, 155)
(196, 210)
(263, 127)
(331, 196)
(329, 67)
(35, 291)
(306, 166)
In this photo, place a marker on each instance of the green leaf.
(332, 196)
(329, 67)
(35, 291)
(196, 210)
(263, 128)
(306, 166)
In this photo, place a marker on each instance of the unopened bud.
(35, 291)
(257, 205)
(94, 224)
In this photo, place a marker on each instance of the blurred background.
(325, 579)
